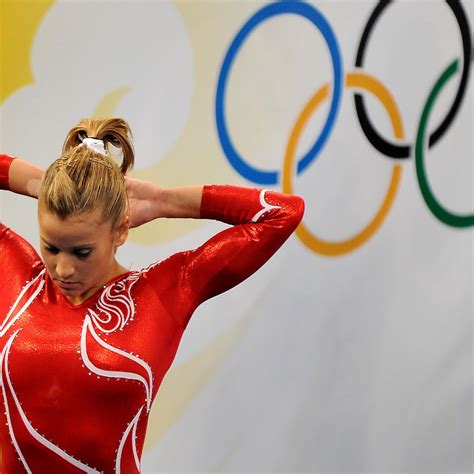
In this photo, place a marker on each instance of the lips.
(67, 285)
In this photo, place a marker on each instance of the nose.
(64, 268)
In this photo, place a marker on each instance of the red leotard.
(77, 382)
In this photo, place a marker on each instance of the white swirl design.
(148, 384)
(132, 424)
(115, 307)
(266, 207)
(7, 409)
(41, 439)
(38, 284)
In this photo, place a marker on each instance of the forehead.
(84, 228)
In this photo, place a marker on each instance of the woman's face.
(79, 251)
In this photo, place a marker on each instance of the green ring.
(453, 220)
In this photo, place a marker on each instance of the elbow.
(296, 208)
(299, 208)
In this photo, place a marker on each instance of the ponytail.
(84, 179)
(113, 131)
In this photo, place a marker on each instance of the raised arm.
(19, 176)
(17, 256)
(262, 221)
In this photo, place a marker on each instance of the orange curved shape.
(358, 80)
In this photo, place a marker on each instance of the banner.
(351, 350)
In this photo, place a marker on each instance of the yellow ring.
(357, 80)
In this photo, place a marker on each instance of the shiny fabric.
(5, 162)
(77, 382)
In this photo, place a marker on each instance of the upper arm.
(234, 254)
(267, 219)
(188, 278)
(18, 257)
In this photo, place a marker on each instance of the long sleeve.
(262, 221)
(19, 259)
(5, 162)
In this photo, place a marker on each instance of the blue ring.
(314, 16)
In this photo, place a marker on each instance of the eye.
(52, 250)
(82, 253)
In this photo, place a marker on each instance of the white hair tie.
(95, 144)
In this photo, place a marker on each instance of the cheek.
(98, 263)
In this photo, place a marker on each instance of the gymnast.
(85, 342)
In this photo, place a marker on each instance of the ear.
(121, 232)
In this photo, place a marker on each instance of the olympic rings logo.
(357, 80)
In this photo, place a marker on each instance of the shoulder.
(170, 279)
(18, 257)
(167, 269)
(14, 243)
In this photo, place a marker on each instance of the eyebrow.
(74, 248)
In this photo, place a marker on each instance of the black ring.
(377, 141)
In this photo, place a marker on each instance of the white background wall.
(356, 363)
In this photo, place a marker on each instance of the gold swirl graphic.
(20, 22)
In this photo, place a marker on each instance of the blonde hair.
(83, 180)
